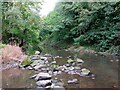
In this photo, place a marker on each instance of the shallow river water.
(105, 70)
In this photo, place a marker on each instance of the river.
(105, 69)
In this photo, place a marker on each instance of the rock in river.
(43, 58)
(44, 83)
(39, 67)
(35, 57)
(37, 53)
(73, 81)
(84, 72)
(79, 60)
(42, 76)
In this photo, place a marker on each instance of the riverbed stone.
(29, 67)
(44, 69)
(60, 84)
(77, 68)
(73, 64)
(55, 73)
(32, 77)
(54, 81)
(44, 83)
(35, 57)
(39, 67)
(42, 76)
(37, 53)
(60, 68)
(59, 72)
(37, 62)
(67, 65)
(66, 71)
(71, 68)
(48, 55)
(50, 72)
(72, 72)
(43, 58)
(79, 60)
(73, 81)
(53, 62)
(84, 72)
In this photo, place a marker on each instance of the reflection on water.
(106, 72)
(16, 78)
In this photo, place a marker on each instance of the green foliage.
(93, 24)
(2, 45)
(70, 61)
(55, 66)
(21, 24)
(26, 62)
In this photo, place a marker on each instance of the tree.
(21, 23)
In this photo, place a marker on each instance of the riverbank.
(90, 50)
(73, 49)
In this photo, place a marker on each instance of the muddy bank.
(9, 65)
(83, 50)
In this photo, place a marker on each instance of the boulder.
(60, 84)
(29, 67)
(43, 58)
(53, 62)
(44, 83)
(25, 62)
(71, 68)
(39, 67)
(32, 77)
(48, 55)
(37, 53)
(79, 60)
(54, 81)
(43, 76)
(70, 61)
(67, 65)
(55, 73)
(77, 68)
(84, 72)
(44, 69)
(35, 57)
(59, 72)
(50, 72)
(37, 62)
(72, 72)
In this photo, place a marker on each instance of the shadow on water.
(106, 72)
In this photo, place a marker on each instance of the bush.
(80, 40)
(2, 45)
(11, 53)
(114, 49)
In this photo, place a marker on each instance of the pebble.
(43, 83)
(117, 60)
(73, 81)
(111, 60)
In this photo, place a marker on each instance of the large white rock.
(72, 81)
(37, 53)
(43, 58)
(43, 75)
(43, 83)
(79, 60)
(84, 72)
(53, 62)
(35, 57)
(39, 67)
(77, 68)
